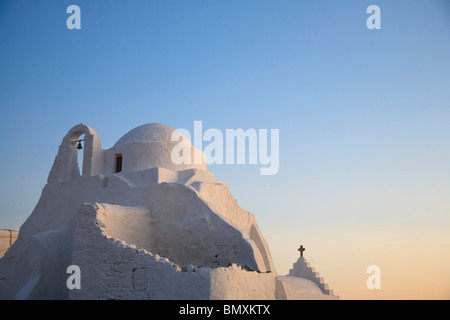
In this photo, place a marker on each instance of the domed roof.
(148, 133)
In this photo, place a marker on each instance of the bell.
(79, 147)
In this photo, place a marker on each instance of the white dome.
(148, 133)
(150, 145)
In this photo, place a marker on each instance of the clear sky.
(363, 116)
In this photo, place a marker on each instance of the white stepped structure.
(303, 269)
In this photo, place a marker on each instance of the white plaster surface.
(296, 288)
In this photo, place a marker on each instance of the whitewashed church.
(138, 226)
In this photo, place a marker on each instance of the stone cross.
(301, 249)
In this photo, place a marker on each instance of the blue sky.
(363, 114)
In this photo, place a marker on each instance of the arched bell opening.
(76, 154)
(79, 155)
